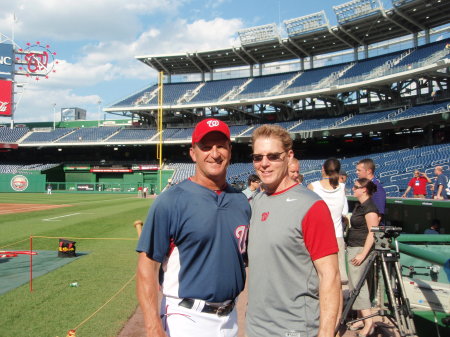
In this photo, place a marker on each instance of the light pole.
(54, 116)
(99, 110)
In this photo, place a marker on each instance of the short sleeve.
(411, 183)
(156, 234)
(318, 231)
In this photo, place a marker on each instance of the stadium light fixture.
(259, 34)
(356, 9)
(305, 24)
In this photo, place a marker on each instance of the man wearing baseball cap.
(191, 246)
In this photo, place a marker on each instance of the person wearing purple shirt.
(366, 169)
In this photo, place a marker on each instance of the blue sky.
(96, 40)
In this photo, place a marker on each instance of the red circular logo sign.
(19, 183)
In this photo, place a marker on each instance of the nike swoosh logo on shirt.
(289, 200)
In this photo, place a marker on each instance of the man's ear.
(192, 154)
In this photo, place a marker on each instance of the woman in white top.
(333, 193)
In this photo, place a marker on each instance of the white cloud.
(36, 102)
(99, 50)
(81, 19)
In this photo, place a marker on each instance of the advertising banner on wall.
(6, 60)
(5, 98)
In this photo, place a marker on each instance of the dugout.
(414, 215)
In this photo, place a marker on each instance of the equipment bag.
(66, 248)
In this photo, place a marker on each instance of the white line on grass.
(62, 216)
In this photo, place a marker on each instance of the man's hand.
(147, 289)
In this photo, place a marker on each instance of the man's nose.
(215, 151)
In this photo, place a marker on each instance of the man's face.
(271, 172)
(254, 185)
(437, 171)
(212, 155)
(416, 174)
(361, 171)
(294, 171)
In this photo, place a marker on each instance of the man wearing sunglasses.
(294, 282)
(192, 243)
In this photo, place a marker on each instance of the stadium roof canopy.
(360, 23)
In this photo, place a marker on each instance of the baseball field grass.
(102, 226)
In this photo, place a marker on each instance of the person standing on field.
(294, 285)
(192, 246)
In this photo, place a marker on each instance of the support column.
(355, 54)
(415, 40)
(427, 35)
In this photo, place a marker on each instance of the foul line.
(12, 244)
(62, 216)
(101, 307)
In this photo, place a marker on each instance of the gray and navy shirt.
(199, 237)
(288, 231)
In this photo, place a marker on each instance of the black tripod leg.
(406, 311)
(396, 303)
(355, 292)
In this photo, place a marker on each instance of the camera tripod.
(399, 311)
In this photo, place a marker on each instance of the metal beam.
(339, 38)
(290, 50)
(250, 55)
(193, 62)
(396, 23)
(160, 64)
(203, 62)
(238, 55)
(298, 47)
(410, 20)
(361, 43)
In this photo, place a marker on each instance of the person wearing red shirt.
(418, 184)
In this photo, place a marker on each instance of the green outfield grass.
(54, 307)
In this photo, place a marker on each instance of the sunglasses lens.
(273, 156)
(257, 157)
(270, 156)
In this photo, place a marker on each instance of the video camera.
(390, 231)
(383, 236)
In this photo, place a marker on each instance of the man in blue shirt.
(366, 169)
(191, 246)
(440, 185)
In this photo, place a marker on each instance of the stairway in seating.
(190, 94)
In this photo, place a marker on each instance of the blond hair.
(273, 131)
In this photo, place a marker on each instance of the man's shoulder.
(302, 194)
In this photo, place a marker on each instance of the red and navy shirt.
(198, 236)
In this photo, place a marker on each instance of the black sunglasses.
(356, 187)
(270, 156)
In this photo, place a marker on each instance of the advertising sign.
(19, 183)
(6, 60)
(85, 187)
(111, 170)
(5, 98)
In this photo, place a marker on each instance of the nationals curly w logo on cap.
(209, 125)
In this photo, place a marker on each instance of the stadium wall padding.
(22, 183)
